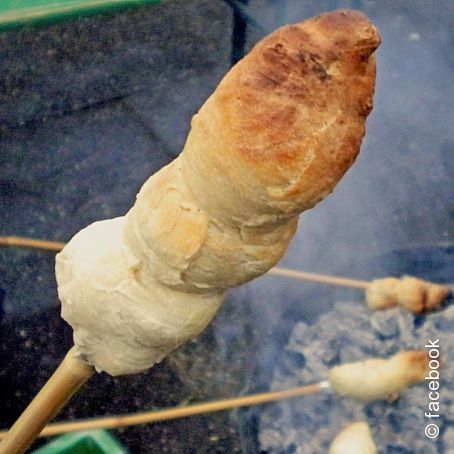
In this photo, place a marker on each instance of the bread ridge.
(183, 247)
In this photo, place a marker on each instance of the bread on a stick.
(411, 293)
(276, 136)
(354, 439)
(376, 379)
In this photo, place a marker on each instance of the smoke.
(346, 334)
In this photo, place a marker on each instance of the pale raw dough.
(411, 293)
(120, 325)
(376, 379)
(354, 439)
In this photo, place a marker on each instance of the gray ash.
(351, 332)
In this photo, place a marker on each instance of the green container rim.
(90, 442)
(15, 14)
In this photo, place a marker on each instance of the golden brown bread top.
(287, 121)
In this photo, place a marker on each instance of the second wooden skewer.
(13, 241)
(411, 293)
(180, 412)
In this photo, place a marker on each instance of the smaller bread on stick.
(411, 293)
(354, 439)
(341, 374)
(376, 379)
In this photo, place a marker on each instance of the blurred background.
(91, 106)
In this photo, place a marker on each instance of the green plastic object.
(19, 13)
(89, 442)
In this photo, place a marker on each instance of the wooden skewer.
(16, 241)
(66, 380)
(73, 373)
(322, 278)
(179, 412)
(277, 271)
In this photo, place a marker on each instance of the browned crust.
(306, 89)
(415, 365)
